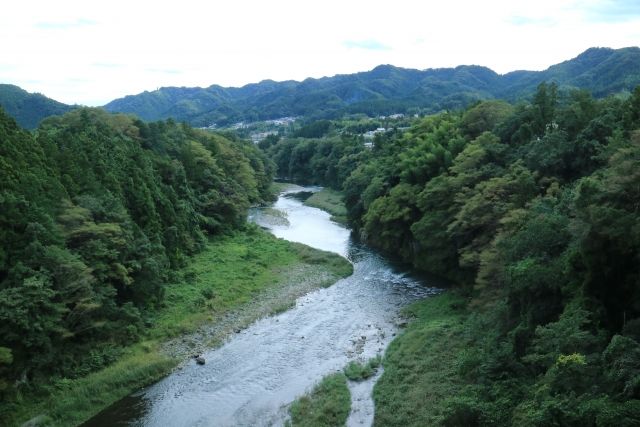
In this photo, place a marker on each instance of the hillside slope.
(384, 90)
(28, 109)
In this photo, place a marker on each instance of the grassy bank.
(234, 281)
(331, 201)
(278, 187)
(421, 366)
(327, 405)
(357, 371)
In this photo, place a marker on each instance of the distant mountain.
(602, 71)
(28, 109)
(385, 89)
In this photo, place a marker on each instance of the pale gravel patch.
(295, 282)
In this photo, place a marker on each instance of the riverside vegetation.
(116, 236)
(328, 404)
(331, 201)
(532, 209)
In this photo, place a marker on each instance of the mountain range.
(384, 90)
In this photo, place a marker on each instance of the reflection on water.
(304, 224)
(256, 373)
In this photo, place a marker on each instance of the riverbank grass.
(421, 366)
(235, 271)
(331, 201)
(328, 404)
(356, 371)
(278, 187)
(230, 275)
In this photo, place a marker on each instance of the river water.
(252, 378)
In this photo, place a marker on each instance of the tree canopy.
(96, 211)
(532, 210)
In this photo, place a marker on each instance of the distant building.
(282, 121)
(372, 133)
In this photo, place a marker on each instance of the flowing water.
(252, 378)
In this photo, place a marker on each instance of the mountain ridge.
(383, 90)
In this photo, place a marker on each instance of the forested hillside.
(532, 210)
(96, 213)
(28, 109)
(382, 91)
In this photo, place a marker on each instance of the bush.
(361, 371)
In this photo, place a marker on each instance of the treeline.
(96, 212)
(533, 210)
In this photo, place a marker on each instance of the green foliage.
(248, 270)
(234, 270)
(97, 210)
(327, 405)
(533, 211)
(420, 365)
(361, 371)
(622, 358)
(5, 356)
(70, 402)
(484, 117)
(314, 130)
(326, 161)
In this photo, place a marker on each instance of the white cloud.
(90, 52)
(368, 44)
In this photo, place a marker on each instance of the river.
(255, 374)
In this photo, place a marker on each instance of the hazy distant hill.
(383, 90)
(28, 109)
(602, 71)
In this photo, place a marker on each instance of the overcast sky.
(91, 52)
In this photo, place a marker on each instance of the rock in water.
(200, 360)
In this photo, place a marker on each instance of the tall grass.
(327, 405)
(361, 371)
(421, 365)
(331, 201)
(70, 402)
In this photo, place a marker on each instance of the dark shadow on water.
(300, 195)
(357, 249)
(120, 414)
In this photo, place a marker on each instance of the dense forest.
(532, 210)
(384, 90)
(97, 211)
